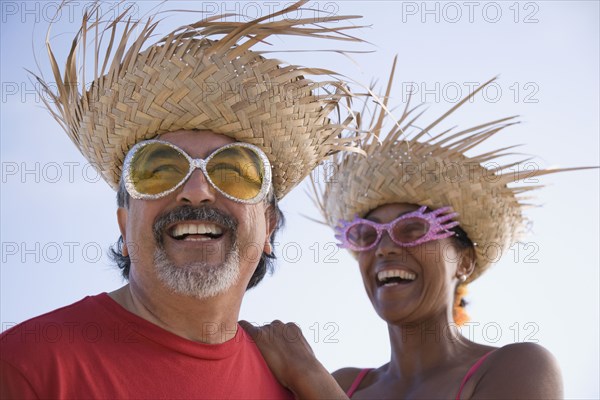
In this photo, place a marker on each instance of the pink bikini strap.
(357, 381)
(471, 372)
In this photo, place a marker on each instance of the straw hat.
(413, 165)
(187, 81)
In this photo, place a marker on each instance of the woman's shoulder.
(531, 354)
(519, 370)
(346, 376)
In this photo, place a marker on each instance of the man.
(200, 137)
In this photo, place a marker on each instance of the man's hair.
(266, 263)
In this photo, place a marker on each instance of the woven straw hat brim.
(401, 168)
(187, 81)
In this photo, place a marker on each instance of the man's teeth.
(388, 275)
(196, 229)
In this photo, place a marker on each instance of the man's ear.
(122, 220)
(271, 223)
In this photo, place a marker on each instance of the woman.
(423, 221)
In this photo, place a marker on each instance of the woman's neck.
(422, 347)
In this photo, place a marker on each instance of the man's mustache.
(190, 213)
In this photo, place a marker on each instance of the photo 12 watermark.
(488, 332)
(453, 92)
(91, 332)
(70, 332)
(412, 168)
(291, 252)
(51, 252)
(250, 91)
(28, 11)
(453, 12)
(49, 172)
(246, 11)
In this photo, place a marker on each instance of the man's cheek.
(251, 253)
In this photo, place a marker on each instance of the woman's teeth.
(394, 277)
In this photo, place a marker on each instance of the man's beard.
(197, 279)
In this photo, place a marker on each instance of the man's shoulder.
(50, 328)
(62, 314)
(49, 356)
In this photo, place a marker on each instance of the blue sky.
(58, 217)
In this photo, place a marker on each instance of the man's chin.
(199, 279)
(192, 265)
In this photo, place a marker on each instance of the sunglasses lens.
(156, 168)
(410, 230)
(361, 235)
(237, 171)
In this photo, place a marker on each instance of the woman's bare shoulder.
(345, 376)
(520, 370)
(531, 354)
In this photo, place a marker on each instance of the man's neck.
(212, 320)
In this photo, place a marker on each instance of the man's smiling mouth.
(195, 231)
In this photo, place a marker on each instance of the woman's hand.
(284, 348)
(292, 360)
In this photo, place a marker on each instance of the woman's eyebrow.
(375, 219)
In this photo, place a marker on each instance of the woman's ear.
(466, 264)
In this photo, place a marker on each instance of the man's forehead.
(197, 143)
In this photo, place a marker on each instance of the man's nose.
(196, 190)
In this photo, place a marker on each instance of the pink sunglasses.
(408, 230)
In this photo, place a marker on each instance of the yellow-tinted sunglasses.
(155, 168)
